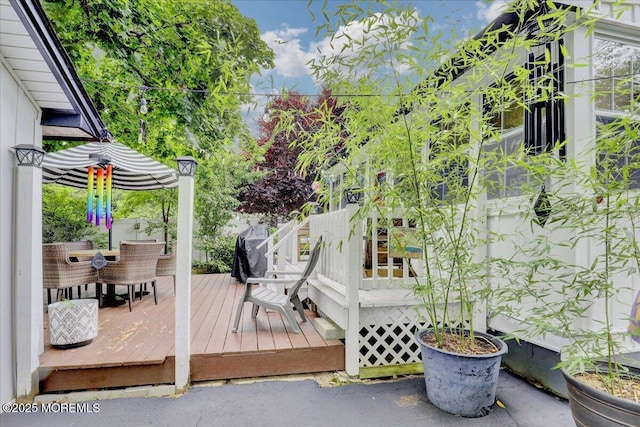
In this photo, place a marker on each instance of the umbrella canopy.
(131, 170)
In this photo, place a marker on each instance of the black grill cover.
(247, 260)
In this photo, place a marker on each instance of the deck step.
(327, 329)
(329, 302)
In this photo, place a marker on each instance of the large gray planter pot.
(592, 407)
(461, 384)
(73, 323)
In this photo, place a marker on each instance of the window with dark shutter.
(544, 119)
(539, 128)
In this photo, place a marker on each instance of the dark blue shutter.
(547, 116)
(528, 111)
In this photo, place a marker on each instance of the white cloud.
(358, 36)
(487, 12)
(292, 58)
(290, 55)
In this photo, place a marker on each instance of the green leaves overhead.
(193, 58)
(192, 62)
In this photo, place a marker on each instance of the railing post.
(186, 172)
(270, 257)
(29, 340)
(353, 274)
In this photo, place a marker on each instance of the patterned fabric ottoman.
(73, 323)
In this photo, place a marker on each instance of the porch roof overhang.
(31, 49)
(504, 28)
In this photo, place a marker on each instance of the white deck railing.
(339, 257)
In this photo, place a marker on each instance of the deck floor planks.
(224, 318)
(298, 340)
(93, 355)
(129, 345)
(139, 325)
(264, 333)
(159, 336)
(312, 336)
(138, 331)
(200, 287)
(278, 330)
(227, 341)
(107, 346)
(204, 320)
(202, 294)
(249, 330)
(109, 328)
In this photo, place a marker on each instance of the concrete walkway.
(307, 402)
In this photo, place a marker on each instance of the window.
(544, 121)
(616, 69)
(623, 153)
(455, 177)
(508, 180)
(503, 116)
(538, 128)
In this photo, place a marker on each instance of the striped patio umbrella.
(131, 170)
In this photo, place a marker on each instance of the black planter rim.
(601, 395)
(502, 346)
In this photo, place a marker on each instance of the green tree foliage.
(64, 214)
(216, 202)
(151, 205)
(191, 61)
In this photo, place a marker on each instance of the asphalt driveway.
(305, 402)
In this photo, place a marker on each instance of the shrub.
(219, 254)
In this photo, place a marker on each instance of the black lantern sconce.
(353, 195)
(186, 166)
(29, 155)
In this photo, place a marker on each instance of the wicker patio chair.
(80, 245)
(136, 265)
(167, 267)
(271, 300)
(59, 272)
(142, 292)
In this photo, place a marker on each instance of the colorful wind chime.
(103, 194)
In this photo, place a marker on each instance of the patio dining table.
(81, 253)
(111, 299)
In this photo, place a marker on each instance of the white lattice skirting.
(73, 323)
(387, 335)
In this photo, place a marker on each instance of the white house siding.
(18, 118)
(630, 14)
(508, 215)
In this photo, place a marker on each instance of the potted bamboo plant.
(576, 274)
(428, 141)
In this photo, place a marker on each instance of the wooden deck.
(137, 348)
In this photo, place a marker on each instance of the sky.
(289, 29)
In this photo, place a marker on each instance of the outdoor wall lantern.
(29, 155)
(353, 195)
(186, 166)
